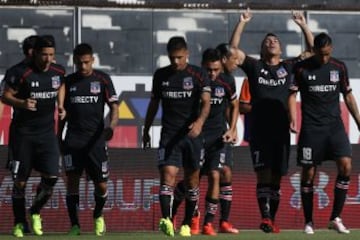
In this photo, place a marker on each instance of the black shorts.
(267, 153)
(215, 155)
(39, 152)
(94, 160)
(321, 144)
(181, 152)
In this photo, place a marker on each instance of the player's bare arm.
(230, 135)
(292, 112)
(353, 108)
(299, 19)
(149, 118)
(10, 99)
(196, 126)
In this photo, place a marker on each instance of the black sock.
(211, 206)
(166, 200)
(43, 194)
(274, 200)
(340, 191)
(179, 195)
(72, 203)
(226, 193)
(19, 211)
(99, 204)
(191, 201)
(263, 194)
(307, 194)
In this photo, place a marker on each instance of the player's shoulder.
(163, 70)
(57, 68)
(101, 75)
(336, 62)
(227, 77)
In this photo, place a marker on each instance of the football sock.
(226, 193)
(340, 191)
(307, 194)
(18, 204)
(72, 203)
(43, 194)
(274, 200)
(191, 200)
(100, 201)
(166, 196)
(179, 195)
(211, 206)
(263, 194)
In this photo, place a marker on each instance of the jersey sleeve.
(295, 78)
(111, 96)
(205, 81)
(344, 80)
(233, 94)
(156, 85)
(11, 79)
(245, 96)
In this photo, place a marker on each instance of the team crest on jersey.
(188, 83)
(334, 76)
(55, 82)
(95, 87)
(219, 92)
(281, 72)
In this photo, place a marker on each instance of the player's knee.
(18, 190)
(47, 184)
(101, 189)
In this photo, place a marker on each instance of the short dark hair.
(29, 43)
(224, 49)
(321, 40)
(83, 49)
(176, 43)
(210, 55)
(269, 35)
(44, 41)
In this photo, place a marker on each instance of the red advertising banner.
(133, 195)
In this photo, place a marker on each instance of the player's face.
(271, 46)
(231, 62)
(323, 54)
(44, 57)
(213, 69)
(84, 64)
(178, 59)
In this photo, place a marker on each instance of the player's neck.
(272, 60)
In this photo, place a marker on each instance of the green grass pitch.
(243, 235)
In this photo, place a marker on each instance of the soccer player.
(216, 133)
(269, 79)
(33, 93)
(320, 80)
(27, 47)
(86, 93)
(184, 92)
(229, 59)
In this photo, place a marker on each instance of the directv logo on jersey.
(188, 83)
(95, 87)
(334, 76)
(271, 82)
(215, 101)
(84, 99)
(55, 82)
